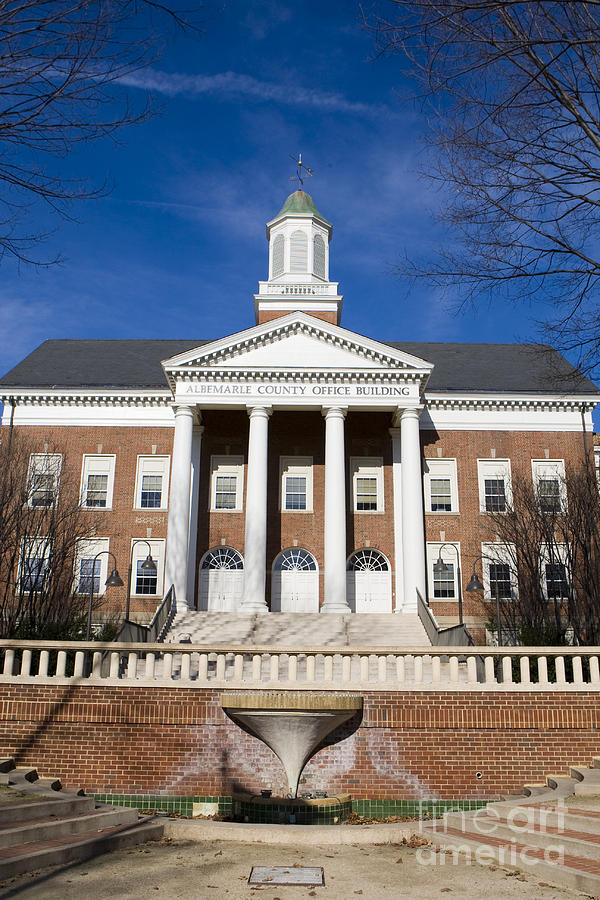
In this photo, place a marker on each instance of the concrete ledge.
(207, 830)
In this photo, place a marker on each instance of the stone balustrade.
(315, 668)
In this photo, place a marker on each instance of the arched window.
(278, 246)
(298, 251)
(295, 560)
(319, 256)
(367, 561)
(222, 558)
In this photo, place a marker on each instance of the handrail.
(156, 630)
(455, 635)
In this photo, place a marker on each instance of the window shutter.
(278, 256)
(319, 256)
(298, 251)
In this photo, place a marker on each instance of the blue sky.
(177, 247)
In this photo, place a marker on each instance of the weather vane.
(302, 171)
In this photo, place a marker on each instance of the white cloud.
(234, 84)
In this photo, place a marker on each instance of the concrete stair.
(54, 827)
(549, 832)
(298, 630)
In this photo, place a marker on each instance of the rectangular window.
(296, 483)
(495, 495)
(367, 483)
(97, 481)
(500, 581)
(440, 485)
(145, 582)
(152, 482)
(89, 572)
(226, 483)
(557, 585)
(549, 482)
(34, 564)
(442, 581)
(226, 492)
(494, 479)
(43, 476)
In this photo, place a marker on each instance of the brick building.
(297, 466)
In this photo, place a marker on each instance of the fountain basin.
(283, 811)
(291, 723)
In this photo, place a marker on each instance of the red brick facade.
(408, 745)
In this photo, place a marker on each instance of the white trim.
(44, 464)
(98, 464)
(301, 466)
(440, 467)
(367, 467)
(138, 553)
(227, 465)
(494, 469)
(433, 550)
(158, 465)
(87, 548)
(497, 552)
(552, 470)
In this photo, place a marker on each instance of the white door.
(369, 582)
(295, 582)
(221, 582)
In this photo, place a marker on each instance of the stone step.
(61, 806)
(587, 781)
(51, 826)
(37, 855)
(573, 870)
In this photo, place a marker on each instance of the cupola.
(298, 239)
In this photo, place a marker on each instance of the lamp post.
(441, 568)
(113, 580)
(148, 566)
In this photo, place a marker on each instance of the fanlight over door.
(295, 582)
(221, 585)
(369, 582)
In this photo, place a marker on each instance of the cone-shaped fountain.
(292, 724)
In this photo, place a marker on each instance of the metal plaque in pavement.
(309, 875)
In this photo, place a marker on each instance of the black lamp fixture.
(442, 568)
(148, 565)
(113, 580)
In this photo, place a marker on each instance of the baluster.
(203, 667)
(507, 670)
(9, 659)
(97, 664)
(328, 669)
(418, 669)
(436, 669)
(256, 667)
(167, 667)
(594, 670)
(220, 667)
(310, 668)
(525, 671)
(577, 670)
(454, 669)
(150, 665)
(26, 662)
(61, 663)
(364, 669)
(238, 667)
(274, 667)
(346, 669)
(115, 659)
(382, 669)
(79, 663)
(542, 670)
(561, 677)
(471, 670)
(43, 666)
(131, 664)
(292, 668)
(400, 669)
(490, 674)
(186, 665)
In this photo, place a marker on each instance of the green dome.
(300, 204)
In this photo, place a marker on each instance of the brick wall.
(407, 746)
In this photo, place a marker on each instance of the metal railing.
(154, 633)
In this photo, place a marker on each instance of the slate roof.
(487, 368)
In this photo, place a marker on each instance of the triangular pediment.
(292, 343)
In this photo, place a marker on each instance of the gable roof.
(465, 368)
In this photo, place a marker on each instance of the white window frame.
(138, 553)
(44, 464)
(495, 469)
(445, 468)
(550, 469)
(98, 464)
(434, 548)
(227, 465)
(296, 466)
(152, 465)
(36, 544)
(502, 554)
(560, 553)
(367, 467)
(88, 548)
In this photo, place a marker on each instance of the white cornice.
(502, 401)
(73, 397)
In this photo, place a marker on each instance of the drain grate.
(310, 875)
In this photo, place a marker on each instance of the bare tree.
(514, 101)
(543, 562)
(41, 527)
(62, 67)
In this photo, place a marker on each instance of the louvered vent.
(278, 248)
(298, 252)
(319, 256)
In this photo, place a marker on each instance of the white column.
(255, 551)
(178, 533)
(335, 513)
(197, 433)
(413, 536)
(397, 492)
